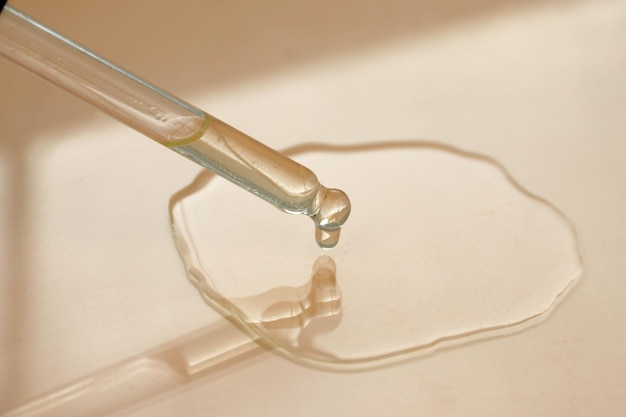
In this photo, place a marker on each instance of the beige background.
(90, 276)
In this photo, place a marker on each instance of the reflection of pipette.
(286, 313)
(174, 123)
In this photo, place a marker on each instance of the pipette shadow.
(288, 311)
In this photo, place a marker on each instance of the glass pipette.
(174, 123)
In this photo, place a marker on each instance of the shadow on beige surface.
(213, 44)
(288, 310)
(206, 44)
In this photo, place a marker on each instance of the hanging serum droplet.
(332, 214)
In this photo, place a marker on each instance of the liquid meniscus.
(269, 175)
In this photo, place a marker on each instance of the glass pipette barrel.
(174, 123)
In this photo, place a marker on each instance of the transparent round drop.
(332, 214)
(442, 246)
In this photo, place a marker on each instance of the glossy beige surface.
(90, 276)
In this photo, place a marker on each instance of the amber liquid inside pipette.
(174, 123)
(268, 174)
